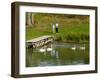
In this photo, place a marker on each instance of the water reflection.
(56, 54)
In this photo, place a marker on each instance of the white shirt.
(57, 25)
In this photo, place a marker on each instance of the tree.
(29, 19)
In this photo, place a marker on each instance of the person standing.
(53, 28)
(57, 27)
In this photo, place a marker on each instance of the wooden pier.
(40, 41)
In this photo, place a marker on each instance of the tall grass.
(72, 37)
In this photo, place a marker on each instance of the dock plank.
(39, 38)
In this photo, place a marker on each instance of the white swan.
(42, 50)
(83, 47)
(74, 47)
(49, 49)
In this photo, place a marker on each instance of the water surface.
(58, 54)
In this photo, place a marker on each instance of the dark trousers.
(56, 30)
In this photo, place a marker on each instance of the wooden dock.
(40, 41)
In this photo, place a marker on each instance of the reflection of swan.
(83, 47)
(74, 47)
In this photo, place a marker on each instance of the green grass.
(66, 34)
(34, 32)
(78, 33)
(74, 29)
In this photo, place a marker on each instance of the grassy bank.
(72, 37)
(71, 28)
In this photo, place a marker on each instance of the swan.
(83, 47)
(74, 47)
(42, 50)
(49, 49)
